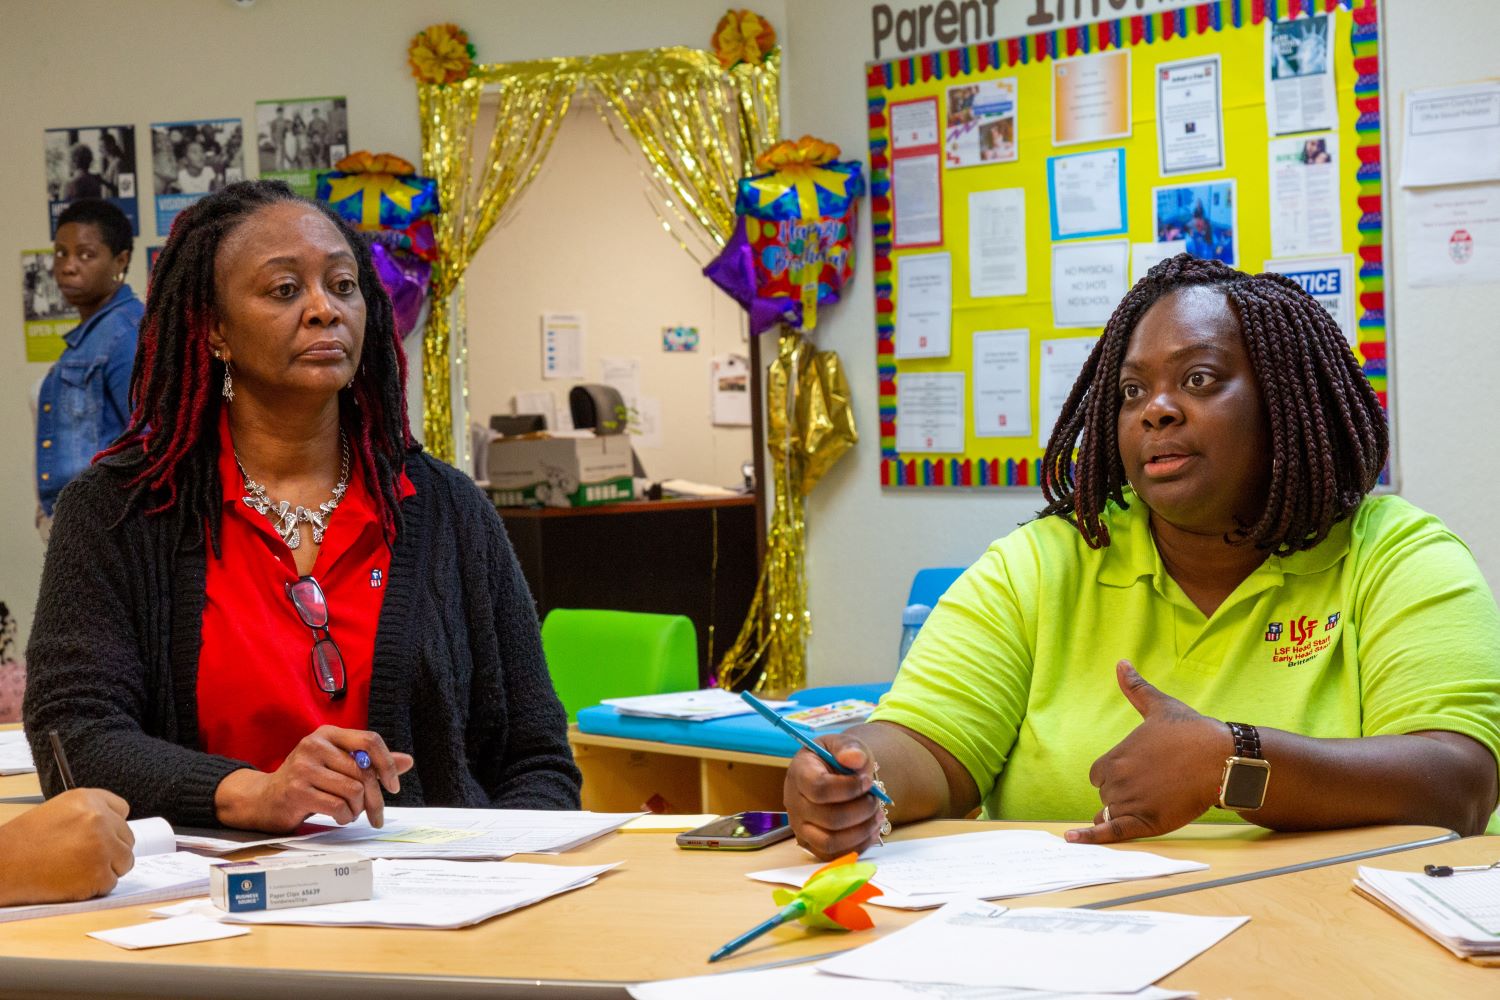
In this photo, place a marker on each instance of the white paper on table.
(916, 200)
(1061, 362)
(1190, 115)
(562, 346)
(1086, 193)
(1452, 135)
(1002, 383)
(807, 981)
(930, 412)
(624, 375)
(709, 703)
(153, 879)
(729, 390)
(431, 894)
(1088, 281)
(1305, 196)
(461, 834)
(15, 753)
(981, 944)
(924, 305)
(153, 835)
(992, 864)
(1329, 280)
(543, 402)
(1145, 256)
(1461, 912)
(1299, 75)
(177, 930)
(997, 242)
(1453, 235)
(203, 840)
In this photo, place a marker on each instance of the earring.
(120, 278)
(227, 391)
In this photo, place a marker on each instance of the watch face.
(1245, 784)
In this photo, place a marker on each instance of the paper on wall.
(931, 409)
(1329, 280)
(1453, 235)
(544, 403)
(924, 305)
(1452, 135)
(1088, 281)
(562, 345)
(1086, 193)
(729, 390)
(1062, 360)
(1299, 75)
(1145, 256)
(916, 173)
(624, 375)
(997, 242)
(1190, 115)
(1305, 202)
(648, 425)
(1002, 383)
(981, 123)
(1091, 98)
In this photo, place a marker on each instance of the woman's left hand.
(1164, 775)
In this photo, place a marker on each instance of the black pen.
(62, 760)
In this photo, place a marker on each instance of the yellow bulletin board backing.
(1236, 31)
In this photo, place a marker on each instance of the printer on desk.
(592, 464)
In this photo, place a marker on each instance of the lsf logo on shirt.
(375, 578)
(1301, 638)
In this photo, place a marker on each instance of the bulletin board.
(1238, 33)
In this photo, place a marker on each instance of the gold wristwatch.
(1246, 774)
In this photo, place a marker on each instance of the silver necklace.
(284, 517)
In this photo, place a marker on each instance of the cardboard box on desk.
(544, 471)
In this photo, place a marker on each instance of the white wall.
(864, 543)
(585, 240)
(105, 62)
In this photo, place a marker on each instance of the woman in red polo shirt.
(265, 601)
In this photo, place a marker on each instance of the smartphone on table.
(744, 831)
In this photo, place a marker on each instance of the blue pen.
(361, 759)
(770, 715)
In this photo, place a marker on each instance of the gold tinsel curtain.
(530, 100)
(698, 128)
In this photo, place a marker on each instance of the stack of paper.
(436, 895)
(15, 754)
(153, 879)
(1460, 911)
(689, 706)
(460, 834)
(807, 981)
(980, 944)
(994, 864)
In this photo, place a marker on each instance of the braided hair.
(169, 452)
(1328, 431)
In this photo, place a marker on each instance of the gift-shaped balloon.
(378, 191)
(794, 246)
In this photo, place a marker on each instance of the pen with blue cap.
(770, 716)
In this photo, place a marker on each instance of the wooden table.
(657, 916)
(1310, 935)
(621, 774)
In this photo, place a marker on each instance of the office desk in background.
(673, 557)
(657, 916)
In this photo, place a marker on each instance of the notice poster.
(1088, 281)
(916, 174)
(1091, 98)
(931, 410)
(45, 314)
(997, 242)
(1190, 116)
(924, 306)
(981, 123)
(1086, 194)
(1452, 135)
(1145, 256)
(1305, 202)
(191, 159)
(1201, 215)
(1330, 280)
(297, 137)
(562, 345)
(1062, 360)
(1299, 75)
(1002, 383)
(1453, 235)
(93, 162)
(729, 390)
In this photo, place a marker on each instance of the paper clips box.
(561, 471)
(293, 879)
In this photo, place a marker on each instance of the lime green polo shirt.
(1385, 627)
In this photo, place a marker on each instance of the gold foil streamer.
(823, 428)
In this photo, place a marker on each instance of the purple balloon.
(406, 278)
(734, 271)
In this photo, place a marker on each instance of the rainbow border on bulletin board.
(1126, 31)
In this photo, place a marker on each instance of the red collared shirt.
(257, 697)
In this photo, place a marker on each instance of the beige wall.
(865, 543)
(585, 240)
(137, 61)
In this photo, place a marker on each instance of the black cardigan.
(459, 679)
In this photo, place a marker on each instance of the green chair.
(594, 655)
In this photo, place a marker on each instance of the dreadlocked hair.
(169, 452)
(1328, 430)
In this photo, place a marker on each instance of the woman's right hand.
(71, 847)
(833, 814)
(318, 776)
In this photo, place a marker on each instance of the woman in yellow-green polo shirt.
(1210, 616)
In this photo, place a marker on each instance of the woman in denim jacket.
(83, 405)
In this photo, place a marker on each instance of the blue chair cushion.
(929, 585)
(745, 733)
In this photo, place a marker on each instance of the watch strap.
(1246, 740)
